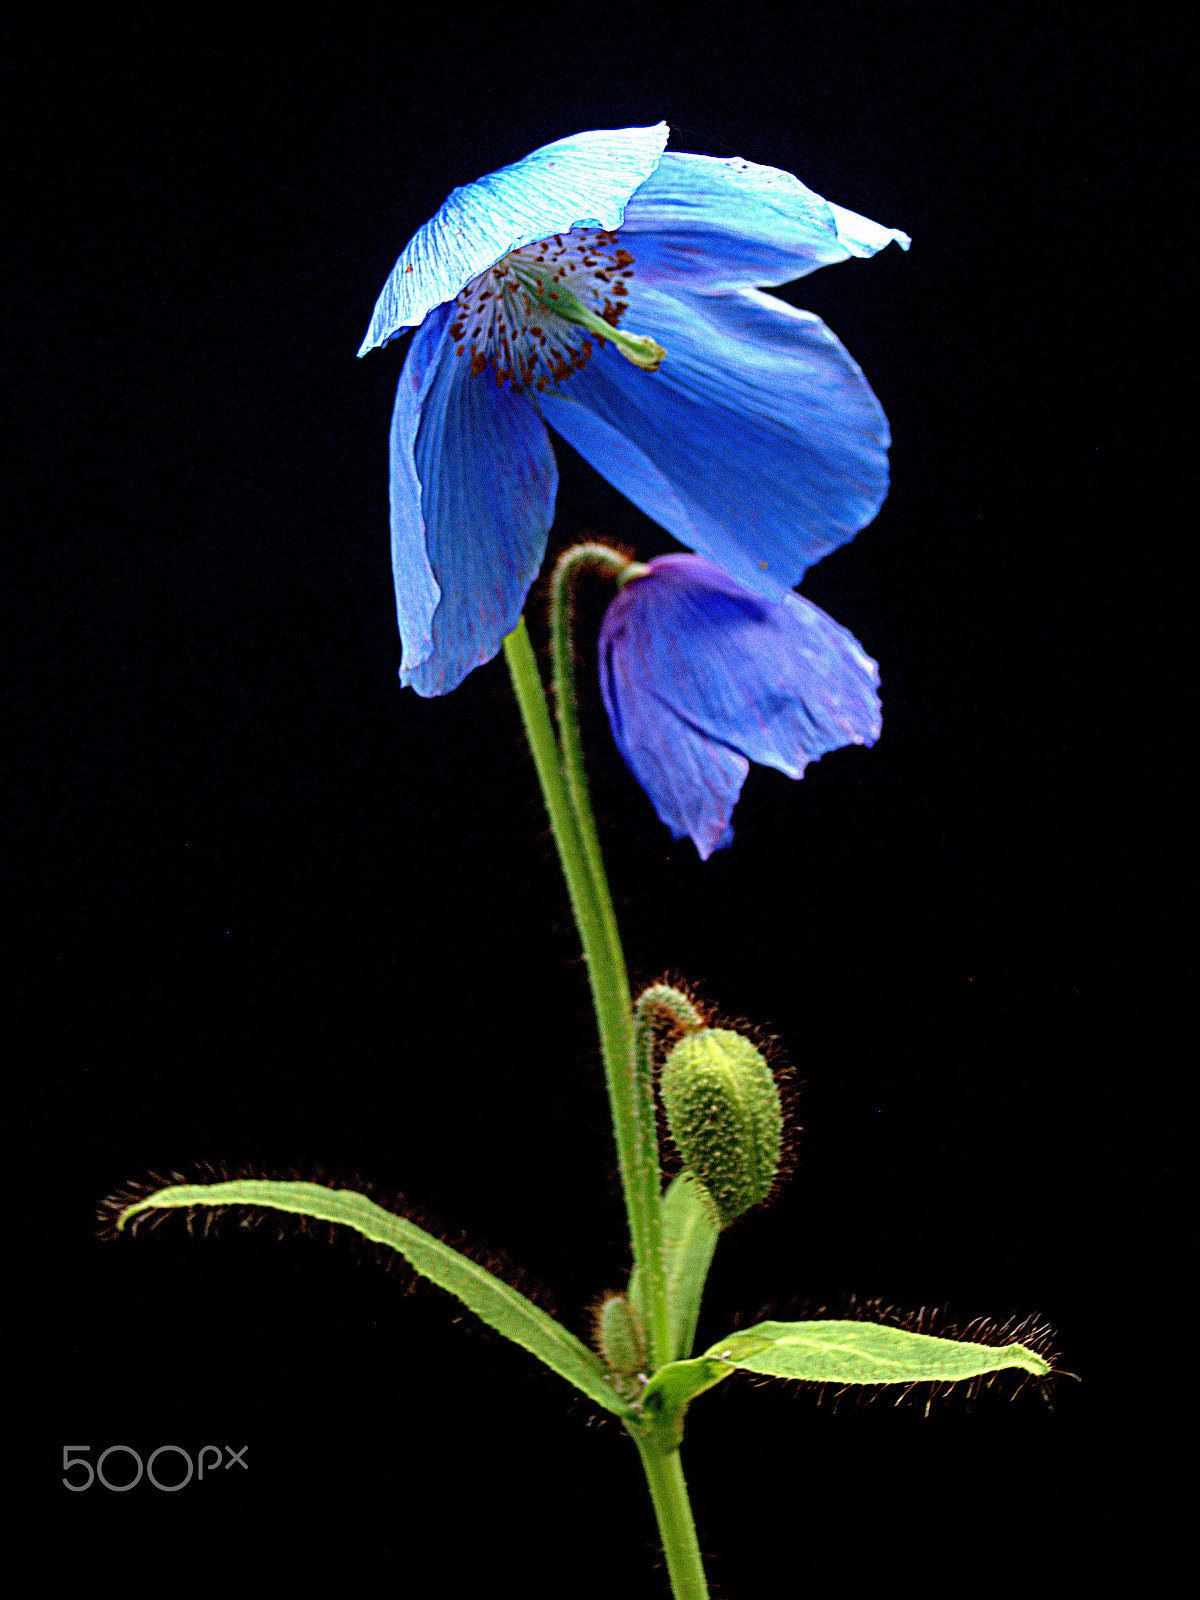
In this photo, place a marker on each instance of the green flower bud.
(725, 1116)
(621, 1341)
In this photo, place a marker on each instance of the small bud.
(725, 1116)
(619, 1336)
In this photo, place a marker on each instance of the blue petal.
(861, 236)
(485, 481)
(693, 783)
(782, 683)
(758, 442)
(698, 675)
(417, 592)
(579, 182)
(713, 223)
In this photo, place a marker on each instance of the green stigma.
(554, 296)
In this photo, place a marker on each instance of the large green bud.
(725, 1116)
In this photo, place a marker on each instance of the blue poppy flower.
(700, 677)
(608, 289)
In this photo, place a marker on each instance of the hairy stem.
(566, 700)
(646, 1170)
(673, 1512)
(658, 1001)
(630, 1094)
(637, 1154)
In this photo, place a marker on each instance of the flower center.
(528, 316)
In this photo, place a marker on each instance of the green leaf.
(492, 1300)
(866, 1352)
(691, 1228)
(690, 1232)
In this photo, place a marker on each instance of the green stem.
(640, 1178)
(645, 1168)
(633, 1121)
(673, 1511)
(531, 698)
(658, 1001)
(566, 701)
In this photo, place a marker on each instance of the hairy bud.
(725, 1116)
(622, 1344)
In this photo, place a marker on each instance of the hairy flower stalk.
(638, 1140)
(632, 1112)
(635, 1134)
(599, 558)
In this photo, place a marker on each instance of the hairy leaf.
(866, 1352)
(493, 1301)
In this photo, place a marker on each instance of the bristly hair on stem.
(559, 762)
(563, 683)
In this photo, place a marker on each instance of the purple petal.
(699, 676)
(693, 783)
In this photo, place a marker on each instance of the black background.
(278, 914)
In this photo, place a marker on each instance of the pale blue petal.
(417, 593)
(488, 481)
(758, 442)
(861, 236)
(580, 182)
(717, 223)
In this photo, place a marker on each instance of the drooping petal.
(698, 675)
(582, 181)
(692, 782)
(781, 682)
(758, 442)
(417, 592)
(486, 481)
(716, 223)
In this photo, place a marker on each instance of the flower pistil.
(523, 317)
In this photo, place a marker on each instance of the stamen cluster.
(506, 320)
